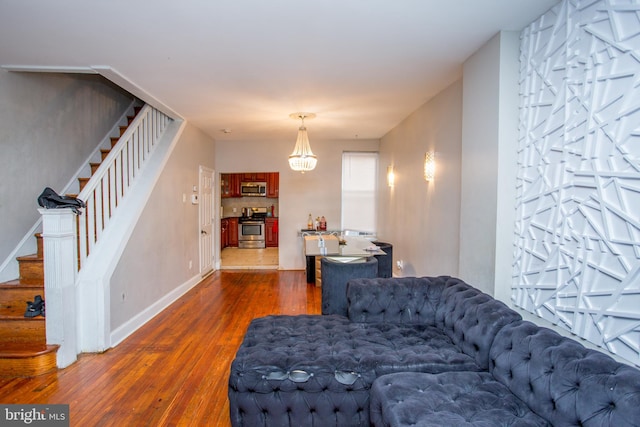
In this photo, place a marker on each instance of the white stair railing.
(114, 177)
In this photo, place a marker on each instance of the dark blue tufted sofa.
(536, 378)
(429, 351)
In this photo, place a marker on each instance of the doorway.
(249, 207)
(206, 220)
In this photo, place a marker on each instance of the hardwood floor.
(174, 370)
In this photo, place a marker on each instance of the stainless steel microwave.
(253, 189)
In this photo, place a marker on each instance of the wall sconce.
(390, 176)
(429, 165)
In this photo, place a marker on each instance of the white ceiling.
(361, 65)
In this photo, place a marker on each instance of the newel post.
(60, 271)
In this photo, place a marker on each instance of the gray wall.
(489, 141)
(421, 219)
(49, 125)
(166, 237)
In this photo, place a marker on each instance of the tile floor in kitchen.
(235, 258)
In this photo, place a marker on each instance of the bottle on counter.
(323, 223)
(317, 223)
(310, 223)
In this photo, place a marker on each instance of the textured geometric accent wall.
(577, 248)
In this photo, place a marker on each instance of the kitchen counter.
(338, 245)
(355, 249)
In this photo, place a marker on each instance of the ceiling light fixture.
(302, 159)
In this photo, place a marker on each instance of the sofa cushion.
(472, 319)
(468, 316)
(447, 399)
(564, 382)
(405, 300)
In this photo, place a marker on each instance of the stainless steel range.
(251, 228)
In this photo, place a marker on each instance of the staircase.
(23, 345)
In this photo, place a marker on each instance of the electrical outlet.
(190, 264)
(400, 264)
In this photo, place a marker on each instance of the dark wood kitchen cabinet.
(230, 185)
(233, 232)
(224, 233)
(228, 232)
(253, 176)
(271, 232)
(225, 185)
(273, 184)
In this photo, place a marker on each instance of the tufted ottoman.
(447, 399)
(317, 370)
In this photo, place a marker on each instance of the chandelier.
(302, 159)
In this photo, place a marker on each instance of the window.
(359, 187)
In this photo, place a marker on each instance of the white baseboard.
(122, 332)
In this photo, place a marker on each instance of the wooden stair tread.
(19, 360)
(39, 244)
(31, 268)
(19, 316)
(29, 258)
(14, 284)
(14, 296)
(23, 350)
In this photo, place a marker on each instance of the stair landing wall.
(55, 122)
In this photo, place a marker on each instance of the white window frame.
(359, 191)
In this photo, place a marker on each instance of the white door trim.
(206, 219)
